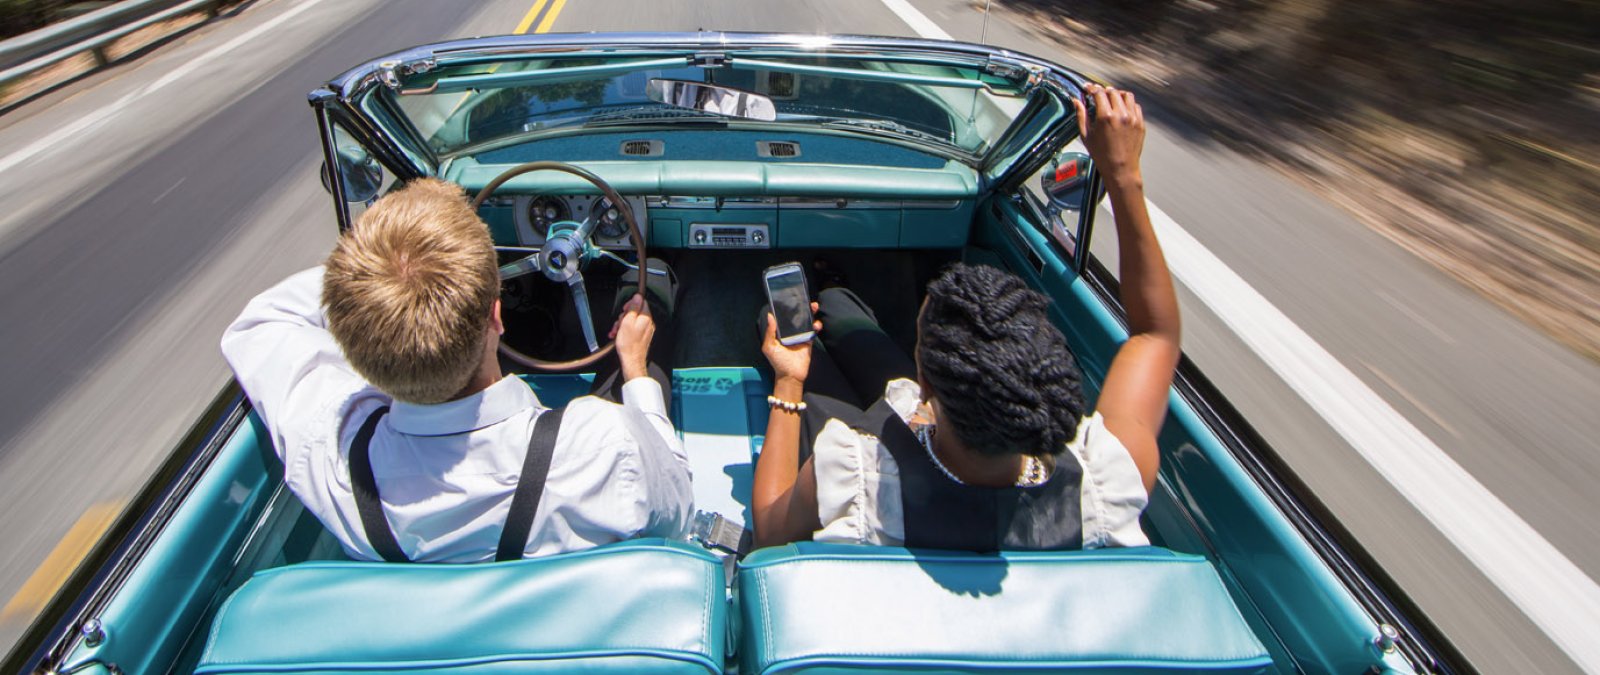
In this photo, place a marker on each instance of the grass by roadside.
(1468, 131)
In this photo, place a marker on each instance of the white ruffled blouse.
(858, 483)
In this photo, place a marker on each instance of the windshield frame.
(943, 90)
(399, 137)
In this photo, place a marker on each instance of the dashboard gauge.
(612, 225)
(545, 211)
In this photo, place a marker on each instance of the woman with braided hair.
(983, 441)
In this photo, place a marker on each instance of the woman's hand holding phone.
(790, 363)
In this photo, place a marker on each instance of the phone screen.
(791, 306)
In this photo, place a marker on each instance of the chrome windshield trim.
(357, 80)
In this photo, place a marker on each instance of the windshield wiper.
(654, 114)
(884, 125)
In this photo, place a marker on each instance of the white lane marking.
(1542, 582)
(919, 23)
(83, 124)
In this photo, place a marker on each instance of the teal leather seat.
(719, 414)
(646, 606)
(830, 608)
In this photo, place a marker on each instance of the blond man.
(377, 378)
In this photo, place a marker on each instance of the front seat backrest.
(646, 606)
(836, 608)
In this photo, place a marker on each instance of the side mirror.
(712, 98)
(1066, 183)
(361, 175)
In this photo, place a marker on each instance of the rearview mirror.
(712, 98)
(1067, 181)
(361, 175)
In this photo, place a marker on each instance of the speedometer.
(546, 211)
(611, 223)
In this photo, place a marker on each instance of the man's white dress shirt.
(858, 482)
(446, 472)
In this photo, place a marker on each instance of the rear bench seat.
(645, 606)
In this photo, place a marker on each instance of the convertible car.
(724, 153)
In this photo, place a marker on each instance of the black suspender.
(524, 503)
(530, 486)
(366, 492)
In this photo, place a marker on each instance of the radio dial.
(757, 237)
(700, 236)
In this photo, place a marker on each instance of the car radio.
(703, 235)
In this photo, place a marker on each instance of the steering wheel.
(566, 247)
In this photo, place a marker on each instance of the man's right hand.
(632, 333)
(1115, 137)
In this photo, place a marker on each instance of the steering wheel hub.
(561, 257)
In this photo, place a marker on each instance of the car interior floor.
(720, 297)
(723, 296)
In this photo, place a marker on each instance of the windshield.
(466, 108)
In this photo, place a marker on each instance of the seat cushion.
(647, 606)
(823, 607)
(720, 414)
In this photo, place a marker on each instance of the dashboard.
(736, 222)
(532, 216)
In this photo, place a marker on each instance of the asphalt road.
(146, 204)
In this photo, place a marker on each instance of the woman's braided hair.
(1005, 380)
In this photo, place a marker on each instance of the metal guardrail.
(92, 32)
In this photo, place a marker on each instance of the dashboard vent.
(777, 149)
(651, 148)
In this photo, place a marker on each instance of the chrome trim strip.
(834, 203)
(799, 203)
(931, 204)
(719, 203)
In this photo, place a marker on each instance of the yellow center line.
(63, 559)
(550, 19)
(527, 20)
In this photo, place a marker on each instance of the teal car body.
(916, 151)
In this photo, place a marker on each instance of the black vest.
(941, 513)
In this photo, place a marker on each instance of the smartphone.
(790, 302)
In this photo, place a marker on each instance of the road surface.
(146, 203)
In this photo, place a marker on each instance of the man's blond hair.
(409, 290)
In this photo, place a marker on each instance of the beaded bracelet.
(787, 406)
